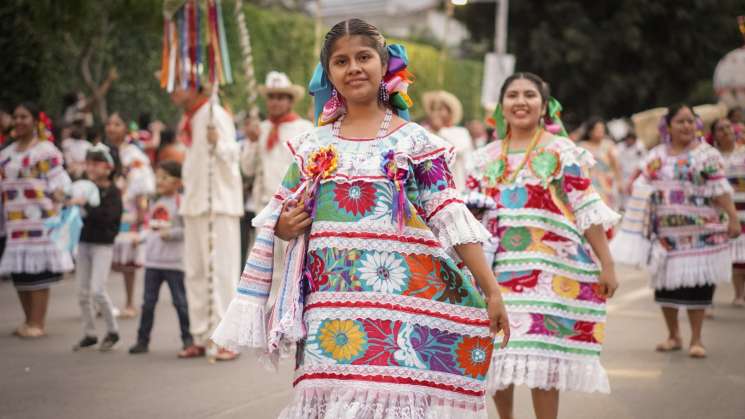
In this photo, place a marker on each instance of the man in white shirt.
(212, 195)
(265, 157)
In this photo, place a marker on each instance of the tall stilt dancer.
(213, 201)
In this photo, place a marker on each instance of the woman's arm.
(595, 235)
(473, 256)
(724, 202)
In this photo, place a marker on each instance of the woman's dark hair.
(143, 120)
(540, 85)
(31, 107)
(353, 27)
(715, 124)
(172, 167)
(674, 109)
(167, 136)
(731, 113)
(91, 133)
(590, 125)
(123, 116)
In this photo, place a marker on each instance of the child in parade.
(164, 252)
(96, 247)
(551, 258)
(379, 288)
(675, 227)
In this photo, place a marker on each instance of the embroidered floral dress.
(675, 230)
(394, 327)
(29, 178)
(734, 169)
(137, 180)
(545, 267)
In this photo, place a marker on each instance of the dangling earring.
(332, 109)
(383, 95)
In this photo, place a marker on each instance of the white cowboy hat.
(429, 99)
(277, 82)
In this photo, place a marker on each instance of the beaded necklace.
(508, 175)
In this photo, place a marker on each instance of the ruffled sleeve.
(51, 165)
(444, 211)
(245, 322)
(586, 204)
(711, 170)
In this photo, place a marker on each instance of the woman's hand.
(607, 282)
(292, 222)
(498, 319)
(734, 229)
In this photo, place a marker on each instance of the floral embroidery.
(474, 355)
(565, 287)
(516, 239)
(342, 340)
(357, 198)
(383, 272)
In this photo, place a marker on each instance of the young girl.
(552, 260)
(33, 185)
(677, 232)
(137, 183)
(100, 227)
(387, 322)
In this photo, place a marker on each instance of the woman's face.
(724, 135)
(116, 129)
(683, 127)
(23, 122)
(598, 131)
(522, 104)
(355, 69)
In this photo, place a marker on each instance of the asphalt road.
(45, 379)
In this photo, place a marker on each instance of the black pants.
(153, 280)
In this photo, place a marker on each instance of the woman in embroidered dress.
(723, 137)
(388, 322)
(33, 184)
(137, 183)
(676, 229)
(606, 173)
(552, 260)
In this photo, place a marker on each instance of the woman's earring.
(383, 95)
(333, 108)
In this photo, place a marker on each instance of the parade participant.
(136, 183)
(737, 119)
(674, 229)
(444, 112)
(631, 151)
(96, 248)
(552, 260)
(212, 181)
(74, 149)
(723, 137)
(387, 324)
(265, 158)
(33, 184)
(606, 173)
(164, 253)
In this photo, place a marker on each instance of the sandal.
(31, 332)
(20, 330)
(697, 351)
(193, 351)
(128, 313)
(739, 302)
(669, 345)
(226, 355)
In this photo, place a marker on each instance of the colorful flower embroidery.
(381, 342)
(516, 239)
(322, 162)
(474, 355)
(565, 287)
(518, 281)
(357, 198)
(342, 340)
(424, 281)
(454, 292)
(514, 197)
(435, 348)
(383, 272)
(430, 172)
(598, 332)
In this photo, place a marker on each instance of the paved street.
(45, 379)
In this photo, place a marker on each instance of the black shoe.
(109, 342)
(138, 348)
(86, 343)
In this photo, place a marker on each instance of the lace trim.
(454, 225)
(694, 268)
(400, 300)
(546, 373)
(36, 259)
(630, 248)
(242, 326)
(343, 399)
(597, 213)
(344, 243)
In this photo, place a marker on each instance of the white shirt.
(227, 191)
(461, 141)
(269, 166)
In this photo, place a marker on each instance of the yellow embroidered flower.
(598, 332)
(343, 340)
(565, 287)
(322, 163)
(537, 244)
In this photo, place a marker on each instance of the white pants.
(207, 308)
(92, 270)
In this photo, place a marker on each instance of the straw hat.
(277, 82)
(430, 99)
(646, 122)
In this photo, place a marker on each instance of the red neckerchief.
(185, 133)
(273, 138)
